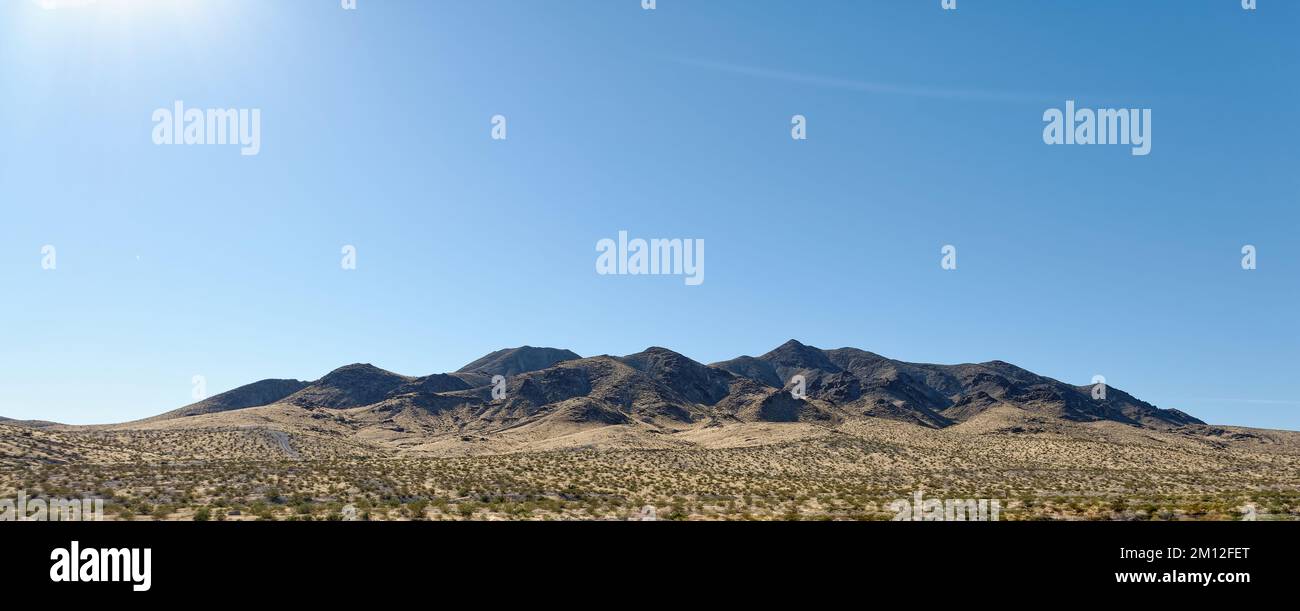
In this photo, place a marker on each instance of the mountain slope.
(264, 392)
(349, 386)
(867, 384)
(514, 361)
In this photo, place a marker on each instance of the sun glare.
(119, 7)
(112, 21)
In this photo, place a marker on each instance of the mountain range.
(661, 390)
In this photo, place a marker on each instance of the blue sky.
(924, 129)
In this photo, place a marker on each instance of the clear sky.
(924, 129)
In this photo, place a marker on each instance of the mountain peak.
(514, 361)
(349, 386)
(655, 357)
(658, 351)
(355, 368)
(794, 355)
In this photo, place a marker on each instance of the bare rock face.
(349, 386)
(752, 368)
(553, 385)
(863, 383)
(514, 361)
(436, 383)
(691, 381)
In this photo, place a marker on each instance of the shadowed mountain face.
(436, 383)
(941, 395)
(256, 394)
(687, 379)
(752, 368)
(514, 361)
(349, 386)
(549, 389)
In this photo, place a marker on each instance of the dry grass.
(1038, 469)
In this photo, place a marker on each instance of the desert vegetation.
(850, 473)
